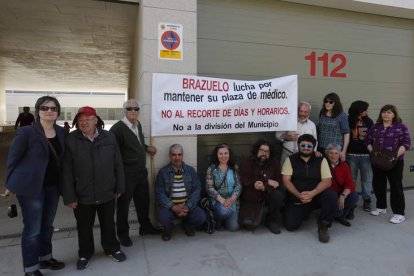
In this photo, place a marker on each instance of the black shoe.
(166, 236)
(82, 264)
(189, 231)
(350, 215)
(343, 222)
(118, 256)
(34, 273)
(323, 231)
(52, 264)
(367, 205)
(149, 230)
(125, 241)
(273, 227)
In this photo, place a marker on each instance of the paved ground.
(372, 246)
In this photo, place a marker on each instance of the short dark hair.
(43, 100)
(307, 138)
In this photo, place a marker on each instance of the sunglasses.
(329, 102)
(309, 146)
(219, 146)
(47, 108)
(132, 108)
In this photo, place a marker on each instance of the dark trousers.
(85, 219)
(350, 203)
(379, 183)
(293, 214)
(274, 201)
(137, 189)
(194, 218)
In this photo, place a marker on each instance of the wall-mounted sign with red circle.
(170, 40)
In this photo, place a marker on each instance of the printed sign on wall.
(192, 105)
(170, 41)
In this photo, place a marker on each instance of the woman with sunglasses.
(389, 133)
(333, 127)
(34, 175)
(224, 188)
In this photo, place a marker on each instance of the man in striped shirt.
(178, 193)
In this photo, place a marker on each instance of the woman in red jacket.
(342, 183)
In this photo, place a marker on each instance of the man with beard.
(260, 177)
(305, 126)
(307, 179)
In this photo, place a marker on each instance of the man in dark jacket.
(307, 179)
(93, 177)
(128, 133)
(260, 177)
(178, 193)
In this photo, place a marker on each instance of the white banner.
(191, 105)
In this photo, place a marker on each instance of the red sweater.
(342, 178)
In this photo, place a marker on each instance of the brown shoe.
(323, 231)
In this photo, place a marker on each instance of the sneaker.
(323, 232)
(189, 231)
(34, 273)
(166, 235)
(273, 227)
(118, 256)
(125, 241)
(378, 212)
(367, 205)
(52, 264)
(396, 219)
(82, 264)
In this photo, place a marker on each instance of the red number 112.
(335, 73)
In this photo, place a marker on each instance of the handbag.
(383, 159)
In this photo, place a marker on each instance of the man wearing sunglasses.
(307, 179)
(128, 132)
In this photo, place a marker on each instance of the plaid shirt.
(332, 130)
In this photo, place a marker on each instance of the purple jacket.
(389, 138)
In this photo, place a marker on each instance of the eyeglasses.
(132, 108)
(329, 101)
(47, 108)
(309, 146)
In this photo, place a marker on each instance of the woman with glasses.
(34, 175)
(389, 133)
(342, 184)
(333, 125)
(224, 188)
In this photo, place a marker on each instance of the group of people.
(101, 172)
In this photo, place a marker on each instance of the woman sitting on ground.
(224, 188)
(343, 184)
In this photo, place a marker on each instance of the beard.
(261, 160)
(306, 154)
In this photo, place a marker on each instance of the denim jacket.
(165, 181)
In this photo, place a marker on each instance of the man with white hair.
(305, 126)
(128, 133)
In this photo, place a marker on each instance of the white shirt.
(307, 127)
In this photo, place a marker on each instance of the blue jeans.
(38, 215)
(194, 218)
(226, 215)
(350, 203)
(363, 164)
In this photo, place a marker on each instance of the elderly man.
(92, 178)
(128, 133)
(307, 179)
(260, 177)
(305, 126)
(178, 192)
